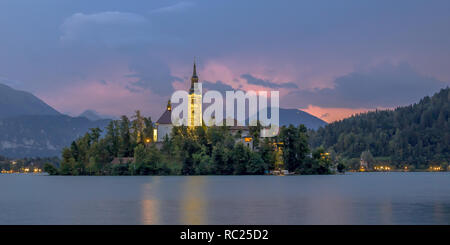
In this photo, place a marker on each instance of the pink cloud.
(107, 94)
(330, 114)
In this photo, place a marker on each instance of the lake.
(353, 198)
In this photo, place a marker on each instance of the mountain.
(296, 117)
(94, 116)
(31, 128)
(91, 115)
(16, 103)
(42, 135)
(418, 134)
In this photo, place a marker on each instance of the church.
(164, 124)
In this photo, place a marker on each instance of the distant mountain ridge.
(16, 103)
(42, 135)
(296, 117)
(31, 128)
(94, 116)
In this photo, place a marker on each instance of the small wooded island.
(128, 150)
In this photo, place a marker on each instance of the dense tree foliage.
(127, 149)
(417, 135)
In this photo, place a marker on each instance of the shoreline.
(46, 174)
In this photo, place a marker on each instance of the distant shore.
(352, 171)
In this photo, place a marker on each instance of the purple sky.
(330, 58)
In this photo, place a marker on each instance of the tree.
(202, 162)
(74, 152)
(125, 149)
(148, 130)
(113, 139)
(67, 162)
(95, 134)
(240, 157)
(340, 167)
(138, 126)
(295, 146)
(256, 165)
(50, 169)
(220, 163)
(255, 133)
(268, 153)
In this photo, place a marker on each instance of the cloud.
(384, 85)
(218, 86)
(151, 73)
(174, 8)
(10, 83)
(266, 83)
(110, 28)
(112, 98)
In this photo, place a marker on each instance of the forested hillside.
(418, 134)
(41, 135)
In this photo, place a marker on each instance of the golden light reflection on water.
(193, 205)
(150, 212)
(150, 208)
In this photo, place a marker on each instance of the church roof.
(166, 118)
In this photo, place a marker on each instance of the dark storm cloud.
(385, 85)
(52, 47)
(266, 83)
(106, 28)
(218, 85)
(151, 74)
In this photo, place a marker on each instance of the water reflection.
(386, 212)
(150, 212)
(413, 198)
(150, 208)
(439, 211)
(193, 206)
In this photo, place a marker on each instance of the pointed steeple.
(194, 78)
(194, 73)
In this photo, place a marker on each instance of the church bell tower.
(195, 100)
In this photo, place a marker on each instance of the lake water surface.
(353, 198)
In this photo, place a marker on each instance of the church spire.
(194, 73)
(194, 78)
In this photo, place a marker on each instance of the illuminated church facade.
(164, 124)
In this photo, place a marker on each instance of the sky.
(329, 58)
